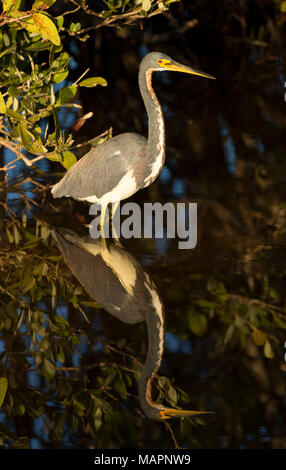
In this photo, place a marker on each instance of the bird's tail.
(55, 190)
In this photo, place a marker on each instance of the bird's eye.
(163, 62)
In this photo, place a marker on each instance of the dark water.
(73, 368)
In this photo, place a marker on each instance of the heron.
(119, 167)
(116, 280)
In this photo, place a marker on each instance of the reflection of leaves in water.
(35, 283)
(3, 389)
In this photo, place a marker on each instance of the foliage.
(35, 69)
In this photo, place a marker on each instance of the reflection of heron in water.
(117, 281)
(119, 167)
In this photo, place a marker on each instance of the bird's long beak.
(176, 67)
(173, 413)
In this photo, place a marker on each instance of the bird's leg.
(103, 241)
(101, 225)
(114, 208)
(102, 218)
(115, 236)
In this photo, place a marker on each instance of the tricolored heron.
(115, 279)
(119, 167)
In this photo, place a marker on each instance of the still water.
(73, 320)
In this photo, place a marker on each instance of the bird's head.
(163, 413)
(159, 62)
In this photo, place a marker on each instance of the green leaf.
(2, 104)
(24, 219)
(79, 407)
(67, 93)
(283, 7)
(29, 25)
(61, 61)
(61, 321)
(14, 92)
(16, 235)
(146, 5)
(61, 355)
(42, 3)
(239, 321)
(45, 232)
(109, 379)
(21, 443)
(92, 82)
(229, 333)
(29, 285)
(259, 337)
(40, 45)
(268, 351)
(20, 409)
(57, 132)
(121, 387)
(91, 304)
(44, 344)
(9, 236)
(3, 389)
(59, 77)
(173, 396)
(47, 28)
(49, 368)
(197, 322)
(6, 51)
(75, 27)
(205, 304)
(60, 22)
(29, 142)
(68, 159)
(77, 290)
(54, 295)
(7, 4)
(97, 419)
(12, 5)
(14, 115)
(104, 405)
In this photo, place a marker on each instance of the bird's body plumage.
(105, 170)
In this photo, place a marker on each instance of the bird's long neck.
(156, 126)
(155, 326)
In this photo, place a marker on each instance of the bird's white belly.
(124, 189)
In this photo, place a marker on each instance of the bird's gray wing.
(102, 168)
(98, 279)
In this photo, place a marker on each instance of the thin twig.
(10, 19)
(169, 428)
